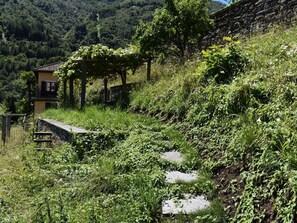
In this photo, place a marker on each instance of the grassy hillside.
(115, 175)
(242, 126)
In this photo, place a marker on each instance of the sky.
(224, 1)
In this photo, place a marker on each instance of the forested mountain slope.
(32, 34)
(37, 32)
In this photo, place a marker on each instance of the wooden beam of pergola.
(101, 62)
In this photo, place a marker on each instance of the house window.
(48, 89)
(50, 86)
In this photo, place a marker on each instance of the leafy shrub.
(94, 97)
(95, 142)
(223, 63)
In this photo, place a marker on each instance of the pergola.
(99, 62)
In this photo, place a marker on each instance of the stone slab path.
(174, 156)
(177, 176)
(190, 204)
(185, 206)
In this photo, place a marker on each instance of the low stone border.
(60, 130)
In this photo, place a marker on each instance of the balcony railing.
(40, 93)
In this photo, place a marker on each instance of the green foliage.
(112, 175)
(176, 28)
(241, 122)
(12, 91)
(29, 40)
(111, 24)
(94, 143)
(214, 214)
(223, 63)
(2, 108)
(107, 61)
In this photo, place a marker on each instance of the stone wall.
(61, 132)
(249, 16)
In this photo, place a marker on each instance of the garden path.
(190, 203)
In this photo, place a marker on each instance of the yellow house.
(46, 93)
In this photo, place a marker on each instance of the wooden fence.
(8, 124)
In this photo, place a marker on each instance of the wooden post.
(71, 94)
(83, 86)
(3, 129)
(124, 78)
(64, 93)
(8, 125)
(29, 90)
(105, 91)
(149, 64)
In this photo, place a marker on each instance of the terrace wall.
(249, 16)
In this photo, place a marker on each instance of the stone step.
(189, 205)
(177, 176)
(43, 133)
(42, 140)
(42, 149)
(173, 156)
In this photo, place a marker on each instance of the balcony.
(47, 91)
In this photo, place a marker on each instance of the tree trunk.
(124, 78)
(105, 91)
(149, 64)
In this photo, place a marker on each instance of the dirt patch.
(267, 208)
(230, 186)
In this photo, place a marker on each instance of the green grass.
(243, 129)
(243, 141)
(14, 198)
(94, 118)
(115, 175)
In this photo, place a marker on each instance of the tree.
(176, 28)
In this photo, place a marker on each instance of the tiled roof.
(49, 68)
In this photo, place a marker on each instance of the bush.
(93, 143)
(224, 63)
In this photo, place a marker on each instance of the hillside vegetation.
(115, 175)
(34, 33)
(238, 109)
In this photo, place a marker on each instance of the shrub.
(223, 63)
(95, 142)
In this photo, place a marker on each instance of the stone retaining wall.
(60, 131)
(249, 16)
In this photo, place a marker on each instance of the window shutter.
(43, 88)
